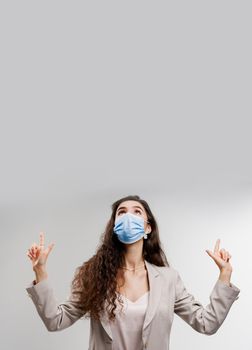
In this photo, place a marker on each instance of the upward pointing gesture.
(38, 254)
(220, 256)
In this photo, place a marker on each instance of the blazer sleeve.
(56, 316)
(207, 319)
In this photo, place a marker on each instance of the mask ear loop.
(145, 235)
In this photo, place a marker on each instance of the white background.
(104, 99)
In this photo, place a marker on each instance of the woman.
(127, 289)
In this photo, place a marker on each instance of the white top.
(128, 324)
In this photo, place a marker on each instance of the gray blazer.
(167, 296)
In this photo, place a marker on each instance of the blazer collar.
(154, 298)
(155, 292)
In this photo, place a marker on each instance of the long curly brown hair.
(95, 281)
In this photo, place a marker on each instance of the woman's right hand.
(38, 254)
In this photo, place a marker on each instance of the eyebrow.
(134, 206)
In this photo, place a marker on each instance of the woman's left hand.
(221, 257)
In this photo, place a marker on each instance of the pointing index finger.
(217, 246)
(41, 240)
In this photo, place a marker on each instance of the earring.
(145, 236)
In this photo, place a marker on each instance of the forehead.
(130, 204)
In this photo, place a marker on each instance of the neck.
(133, 256)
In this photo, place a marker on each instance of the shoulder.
(166, 272)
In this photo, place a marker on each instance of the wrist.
(41, 274)
(39, 269)
(226, 270)
(225, 275)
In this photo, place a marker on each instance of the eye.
(138, 211)
(121, 211)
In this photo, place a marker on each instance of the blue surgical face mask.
(129, 228)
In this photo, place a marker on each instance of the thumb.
(49, 248)
(210, 254)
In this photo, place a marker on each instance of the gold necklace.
(138, 268)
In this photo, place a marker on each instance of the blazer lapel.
(105, 324)
(155, 293)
